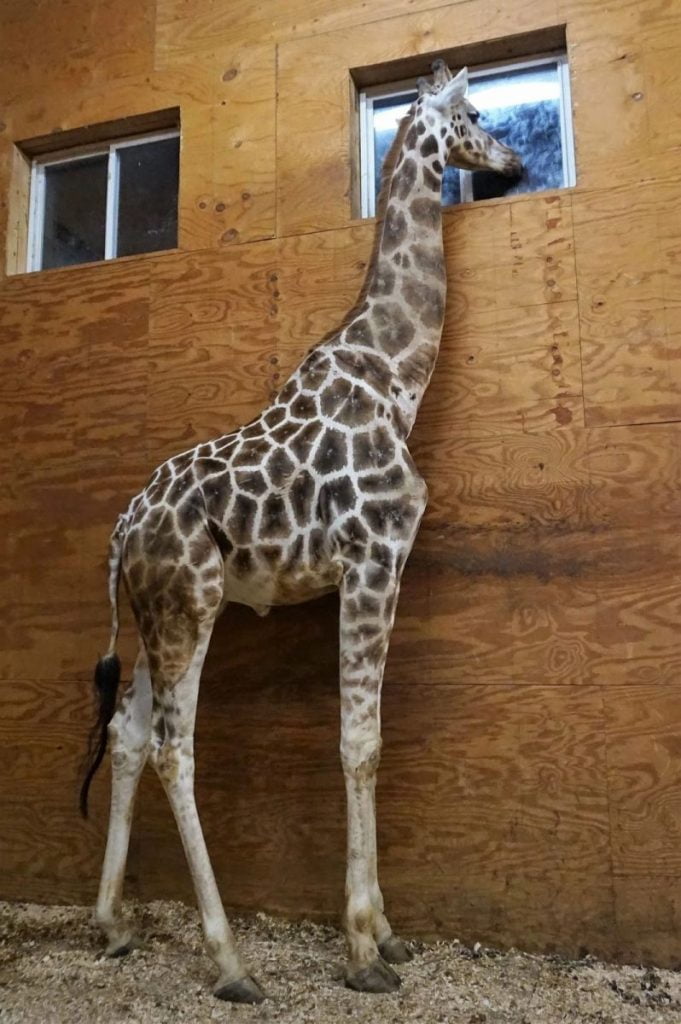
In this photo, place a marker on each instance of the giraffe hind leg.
(175, 696)
(129, 733)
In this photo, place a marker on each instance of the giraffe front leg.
(392, 949)
(366, 624)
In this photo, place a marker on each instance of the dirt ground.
(52, 970)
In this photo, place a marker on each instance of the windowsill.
(447, 211)
(115, 261)
(450, 211)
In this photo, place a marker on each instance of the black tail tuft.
(107, 678)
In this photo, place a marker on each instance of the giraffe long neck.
(405, 288)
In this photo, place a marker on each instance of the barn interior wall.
(530, 788)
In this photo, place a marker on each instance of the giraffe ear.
(453, 92)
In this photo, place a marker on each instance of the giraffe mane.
(381, 204)
(387, 171)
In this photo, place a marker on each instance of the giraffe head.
(470, 147)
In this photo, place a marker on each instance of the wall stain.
(556, 551)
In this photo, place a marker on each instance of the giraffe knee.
(130, 725)
(361, 758)
(128, 741)
(172, 763)
(128, 760)
(166, 762)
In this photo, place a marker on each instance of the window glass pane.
(147, 198)
(522, 109)
(451, 186)
(75, 212)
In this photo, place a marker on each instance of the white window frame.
(36, 222)
(368, 97)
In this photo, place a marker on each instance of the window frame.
(74, 154)
(370, 94)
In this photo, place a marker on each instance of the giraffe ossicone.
(318, 493)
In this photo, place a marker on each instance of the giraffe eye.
(474, 116)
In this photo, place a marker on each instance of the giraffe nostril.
(514, 168)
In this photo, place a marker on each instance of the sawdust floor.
(52, 970)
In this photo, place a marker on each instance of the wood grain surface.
(529, 788)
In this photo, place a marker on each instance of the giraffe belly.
(263, 586)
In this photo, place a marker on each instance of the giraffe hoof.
(377, 978)
(119, 948)
(120, 951)
(245, 990)
(394, 951)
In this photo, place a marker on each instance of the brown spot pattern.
(336, 497)
(373, 450)
(251, 480)
(275, 416)
(189, 514)
(430, 259)
(302, 492)
(314, 370)
(242, 519)
(301, 446)
(429, 147)
(357, 409)
(417, 366)
(395, 330)
(359, 333)
(367, 366)
(279, 467)
(428, 301)
(251, 452)
(335, 395)
(404, 179)
(274, 519)
(391, 480)
(282, 433)
(206, 467)
(394, 229)
(331, 453)
(426, 212)
(383, 282)
(411, 137)
(304, 407)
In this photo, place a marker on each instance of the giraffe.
(317, 493)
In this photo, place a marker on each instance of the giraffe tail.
(107, 673)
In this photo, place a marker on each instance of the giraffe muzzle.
(513, 168)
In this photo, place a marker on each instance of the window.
(106, 200)
(525, 104)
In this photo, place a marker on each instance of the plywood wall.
(530, 791)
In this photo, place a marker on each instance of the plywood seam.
(568, 199)
(611, 853)
(448, 212)
(633, 423)
(276, 141)
(421, 11)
